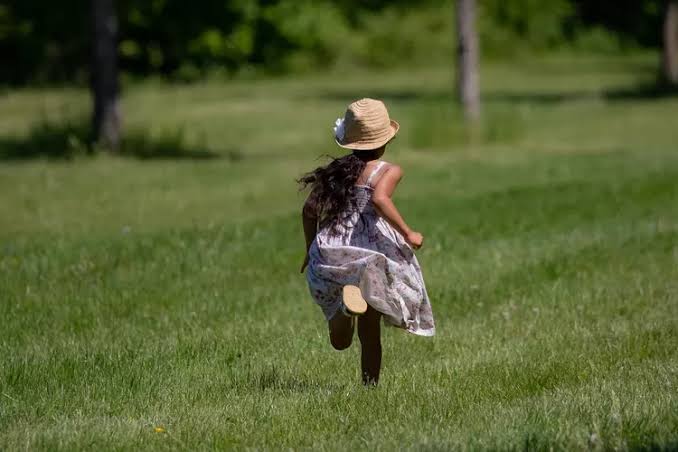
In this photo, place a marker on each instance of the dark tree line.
(44, 41)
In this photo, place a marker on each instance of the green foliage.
(597, 40)
(43, 41)
(313, 33)
(49, 41)
(634, 22)
(531, 24)
(425, 36)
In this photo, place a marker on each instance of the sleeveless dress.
(368, 252)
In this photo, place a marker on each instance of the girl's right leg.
(341, 330)
(369, 332)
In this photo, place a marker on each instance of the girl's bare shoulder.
(393, 168)
(390, 175)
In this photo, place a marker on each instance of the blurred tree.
(670, 48)
(106, 115)
(467, 59)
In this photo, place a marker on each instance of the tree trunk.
(670, 50)
(467, 59)
(106, 116)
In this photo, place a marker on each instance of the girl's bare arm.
(384, 204)
(309, 220)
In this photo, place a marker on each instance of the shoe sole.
(354, 301)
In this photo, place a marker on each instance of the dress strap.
(374, 173)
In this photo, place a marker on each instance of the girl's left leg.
(369, 332)
(341, 330)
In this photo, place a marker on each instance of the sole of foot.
(354, 303)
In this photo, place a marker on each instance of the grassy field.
(157, 304)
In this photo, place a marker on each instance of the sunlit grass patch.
(156, 303)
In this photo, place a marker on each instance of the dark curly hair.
(333, 187)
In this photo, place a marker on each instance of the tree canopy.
(49, 41)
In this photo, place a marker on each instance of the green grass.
(137, 294)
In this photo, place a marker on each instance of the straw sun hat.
(365, 126)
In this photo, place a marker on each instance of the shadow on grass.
(644, 91)
(47, 140)
(641, 91)
(387, 95)
(272, 379)
(71, 138)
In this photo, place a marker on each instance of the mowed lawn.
(157, 304)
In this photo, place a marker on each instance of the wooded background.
(49, 42)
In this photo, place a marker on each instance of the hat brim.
(371, 144)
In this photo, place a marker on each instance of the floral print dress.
(369, 253)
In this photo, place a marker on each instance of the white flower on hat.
(339, 129)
